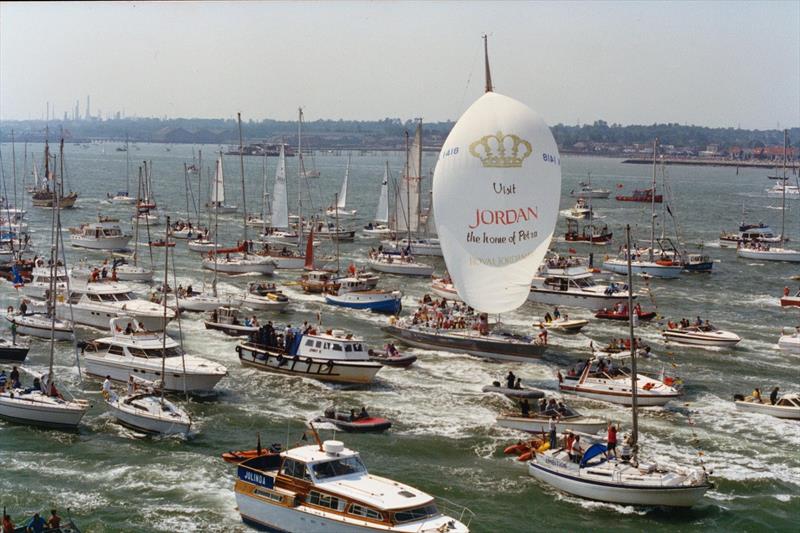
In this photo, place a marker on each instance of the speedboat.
(105, 234)
(444, 288)
(787, 406)
(567, 282)
(704, 335)
(790, 342)
(401, 264)
(264, 296)
(94, 303)
(132, 351)
(790, 301)
(332, 356)
(326, 487)
(353, 422)
(391, 358)
(377, 230)
(602, 379)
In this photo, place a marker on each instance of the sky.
(719, 64)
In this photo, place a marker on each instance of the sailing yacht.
(123, 197)
(378, 226)
(764, 251)
(620, 478)
(217, 199)
(43, 403)
(43, 196)
(340, 209)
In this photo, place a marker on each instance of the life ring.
(238, 349)
(515, 449)
(525, 456)
(664, 262)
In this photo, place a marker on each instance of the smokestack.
(88, 108)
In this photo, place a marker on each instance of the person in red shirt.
(612, 440)
(8, 525)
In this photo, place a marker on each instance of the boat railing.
(453, 510)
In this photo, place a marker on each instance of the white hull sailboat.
(379, 228)
(398, 264)
(150, 413)
(37, 408)
(340, 209)
(217, 200)
(789, 343)
(240, 263)
(769, 253)
(41, 326)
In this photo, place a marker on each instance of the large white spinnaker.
(280, 201)
(382, 213)
(218, 187)
(496, 191)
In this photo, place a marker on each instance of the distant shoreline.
(709, 162)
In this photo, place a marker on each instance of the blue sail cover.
(593, 451)
(295, 345)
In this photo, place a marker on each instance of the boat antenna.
(489, 87)
(316, 436)
(164, 320)
(634, 377)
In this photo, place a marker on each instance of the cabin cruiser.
(587, 191)
(700, 335)
(782, 188)
(786, 406)
(105, 234)
(398, 263)
(318, 281)
(749, 233)
(326, 487)
(592, 234)
(264, 296)
(765, 252)
(227, 320)
(332, 355)
(350, 292)
(566, 282)
(40, 280)
(790, 342)
(133, 351)
(580, 211)
(94, 303)
(603, 378)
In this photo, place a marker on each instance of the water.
(444, 439)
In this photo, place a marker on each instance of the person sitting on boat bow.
(510, 379)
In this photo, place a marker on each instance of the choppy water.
(444, 439)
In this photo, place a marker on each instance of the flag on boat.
(18, 281)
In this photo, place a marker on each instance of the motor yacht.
(105, 234)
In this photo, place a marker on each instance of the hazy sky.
(714, 63)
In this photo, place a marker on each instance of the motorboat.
(643, 195)
(94, 303)
(602, 378)
(349, 293)
(444, 288)
(400, 264)
(105, 234)
(326, 487)
(148, 411)
(587, 191)
(266, 296)
(537, 419)
(147, 216)
(226, 319)
(40, 281)
(786, 406)
(42, 326)
(701, 335)
(203, 245)
(790, 342)
(391, 357)
(331, 356)
(782, 188)
(580, 211)
(353, 422)
(591, 234)
(374, 229)
(620, 312)
(759, 233)
(564, 325)
(567, 282)
(657, 267)
(42, 404)
(13, 352)
(122, 197)
(133, 351)
(332, 232)
(788, 300)
(318, 281)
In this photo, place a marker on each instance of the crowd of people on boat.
(448, 314)
(35, 524)
(686, 323)
(270, 337)
(12, 381)
(403, 256)
(755, 396)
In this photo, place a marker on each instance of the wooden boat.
(790, 301)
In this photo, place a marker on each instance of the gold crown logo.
(500, 150)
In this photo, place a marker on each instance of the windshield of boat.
(171, 351)
(338, 467)
(420, 513)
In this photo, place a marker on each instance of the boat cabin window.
(171, 351)
(115, 350)
(325, 500)
(420, 513)
(348, 348)
(295, 469)
(366, 512)
(336, 347)
(107, 297)
(138, 352)
(94, 297)
(319, 344)
(338, 467)
(310, 342)
(327, 346)
(124, 296)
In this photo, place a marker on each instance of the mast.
(127, 167)
(61, 169)
(300, 143)
(244, 194)
(164, 323)
(652, 205)
(136, 221)
(216, 228)
(335, 202)
(634, 379)
(418, 176)
(784, 182)
(14, 171)
(186, 187)
(488, 73)
(408, 194)
(54, 264)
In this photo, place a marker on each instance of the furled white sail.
(342, 203)
(280, 202)
(218, 185)
(496, 193)
(382, 213)
(407, 204)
